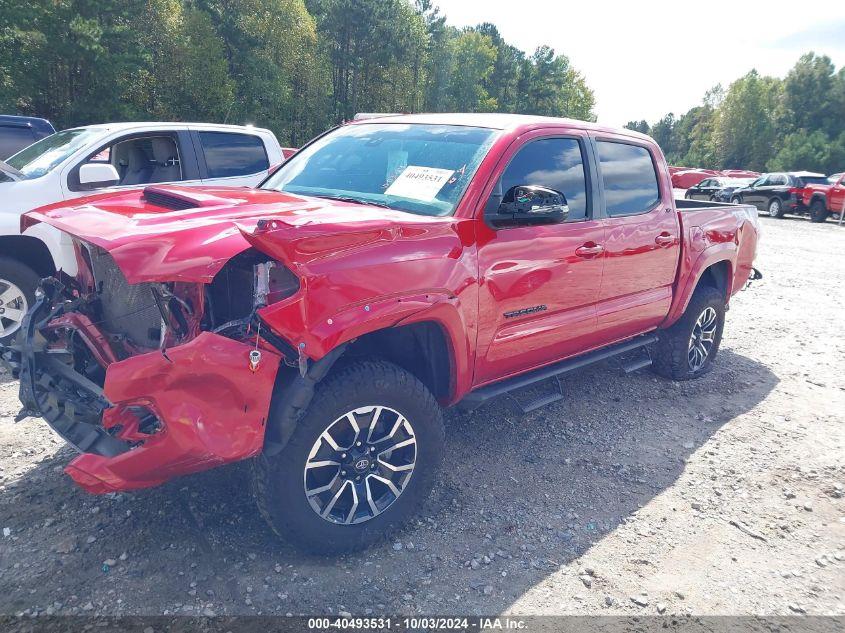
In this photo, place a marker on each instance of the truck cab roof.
(496, 121)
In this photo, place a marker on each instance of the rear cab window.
(629, 178)
(229, 154)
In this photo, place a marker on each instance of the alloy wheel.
(13, 307)
(702, 338)
(360, 465)
(774, 208)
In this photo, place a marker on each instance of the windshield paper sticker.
(419, 183)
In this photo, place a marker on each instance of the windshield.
(419, 168)
(40, 157)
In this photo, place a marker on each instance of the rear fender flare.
(711, 256)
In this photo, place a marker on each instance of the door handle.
(589, 250)
(664, 239)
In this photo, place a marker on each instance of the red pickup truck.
(825, 199)
(319, 322)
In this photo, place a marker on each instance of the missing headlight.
(247, 281)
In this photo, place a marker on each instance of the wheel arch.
(714, 269)
(422, 348)
(29, 251)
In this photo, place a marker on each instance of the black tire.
(775, 208)
(687, 196)
(712, 198)
(671, 354)
(818, 211)
(736, 200)
(278, 480)
(23, 278)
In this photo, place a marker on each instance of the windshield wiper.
(383, 205)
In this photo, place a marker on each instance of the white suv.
(101, 158)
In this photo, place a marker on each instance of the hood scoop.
(181, 198)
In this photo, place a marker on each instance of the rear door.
(641, 241)
(233, 159)
(539, 284)
(763, 192)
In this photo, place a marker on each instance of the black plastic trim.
(483, 394)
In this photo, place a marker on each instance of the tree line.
(763, 123)
(295, 66)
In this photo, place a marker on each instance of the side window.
(629, 178)
(142, 160)
(556, 163)
(230, 154)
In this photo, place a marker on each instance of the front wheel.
(776, 209)
(360, 463)
(736, 200)
(17, 295)
(687, 349)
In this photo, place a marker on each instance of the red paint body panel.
(362, 269)
(832, 194)
(212, 406)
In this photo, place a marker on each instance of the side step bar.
(476, 398)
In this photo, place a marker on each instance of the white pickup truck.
(100, 158)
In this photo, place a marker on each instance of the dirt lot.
(632, 496)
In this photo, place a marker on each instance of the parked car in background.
(109, 158)
(16, 132)
(691, 177)
(464, 257)
(825, 199)
(741, 173)
(716, 189)
(777, 193)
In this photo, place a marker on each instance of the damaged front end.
(151, 380)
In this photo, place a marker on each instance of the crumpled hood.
(150, 242)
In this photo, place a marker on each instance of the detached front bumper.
(158, 415)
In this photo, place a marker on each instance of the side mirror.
(99, 174)
(525, 205)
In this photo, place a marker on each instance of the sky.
(646, 58)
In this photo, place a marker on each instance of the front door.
(539, 283)
(641, 242)
(154, 157)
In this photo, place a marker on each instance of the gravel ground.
(632, 496)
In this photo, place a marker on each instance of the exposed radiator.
(128, 309)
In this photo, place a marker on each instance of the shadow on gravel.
(519, 495)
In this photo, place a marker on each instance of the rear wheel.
(776, 209)
(360, 463)
(17, 288)
(687, 349)
(818, 211)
